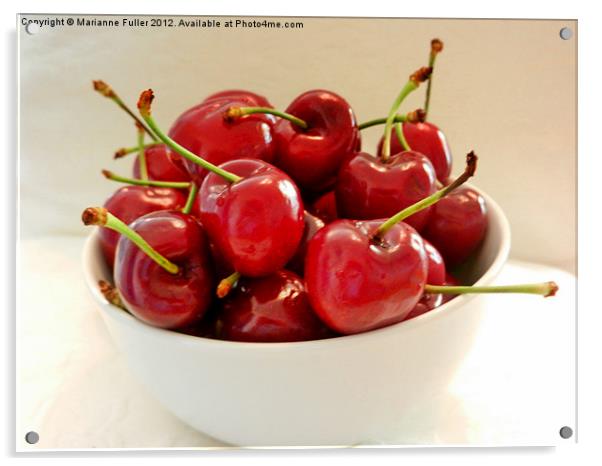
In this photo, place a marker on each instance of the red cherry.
(428, 302)
(325, 207)
(162, 164)
(270, 309)
(206, 328)
(369, 188)
(313, 156)
(129, 203)
(312, 225)
(362, 275)
(437, 274)
(206, 132)
(450, 281)
(255, 223)
(457, 225)
(150, 292)
(358, 283)
(429, 140)
(249, 97)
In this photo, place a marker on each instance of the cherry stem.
(102, 217)
(129, 150)
(144, 105)
(416, 78)
(237, 112)
(471, 166)
(141, 154)
(134, 181)
(225, 286)
(436, 47)
(416, 116)
(107, 91)
(401, 137)
(194, 189)
(111, 294)
(545, 289)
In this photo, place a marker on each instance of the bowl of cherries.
(271, 283)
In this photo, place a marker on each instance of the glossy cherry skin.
(312, 225)
(356, 284)
(129, 203)
(369, 188)
(437, 274)
(252, 99)
(162, 164)
(206, 132)
(325, 207)
(457, 225)
(313, 156)
(256, 224)
(270, 309)
(429, 140)
(154, 295)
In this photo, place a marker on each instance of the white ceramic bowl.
(362, 389)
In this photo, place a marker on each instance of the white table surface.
(516, 387)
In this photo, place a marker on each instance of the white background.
(589, 319)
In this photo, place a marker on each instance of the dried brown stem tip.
(232, 113)
(145, 101)
(106, 173)
(553, 289)
(416, 116)
(436, 46)
(103, 88)
(110, 293)
(471, 163)
(421, 75)
(139, 127)
(95, 216)
(120, 153)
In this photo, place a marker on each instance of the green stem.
(130, 150)
(121, 104)
(194, 189)
(407, 89)
(545, 289)
(102, 217)
(436, 47)
(159, 184)
(107, 91)
(401, 137)
(141, 154)
(224, 287)
(382, 121)
(471, 165)
(237, 112)
(187, 154)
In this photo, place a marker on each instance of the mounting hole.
(566, 432)
(32, 437)
(566, 33)
(32, 28)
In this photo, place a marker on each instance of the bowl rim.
(129, 320)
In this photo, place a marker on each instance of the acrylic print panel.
(494, 369)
